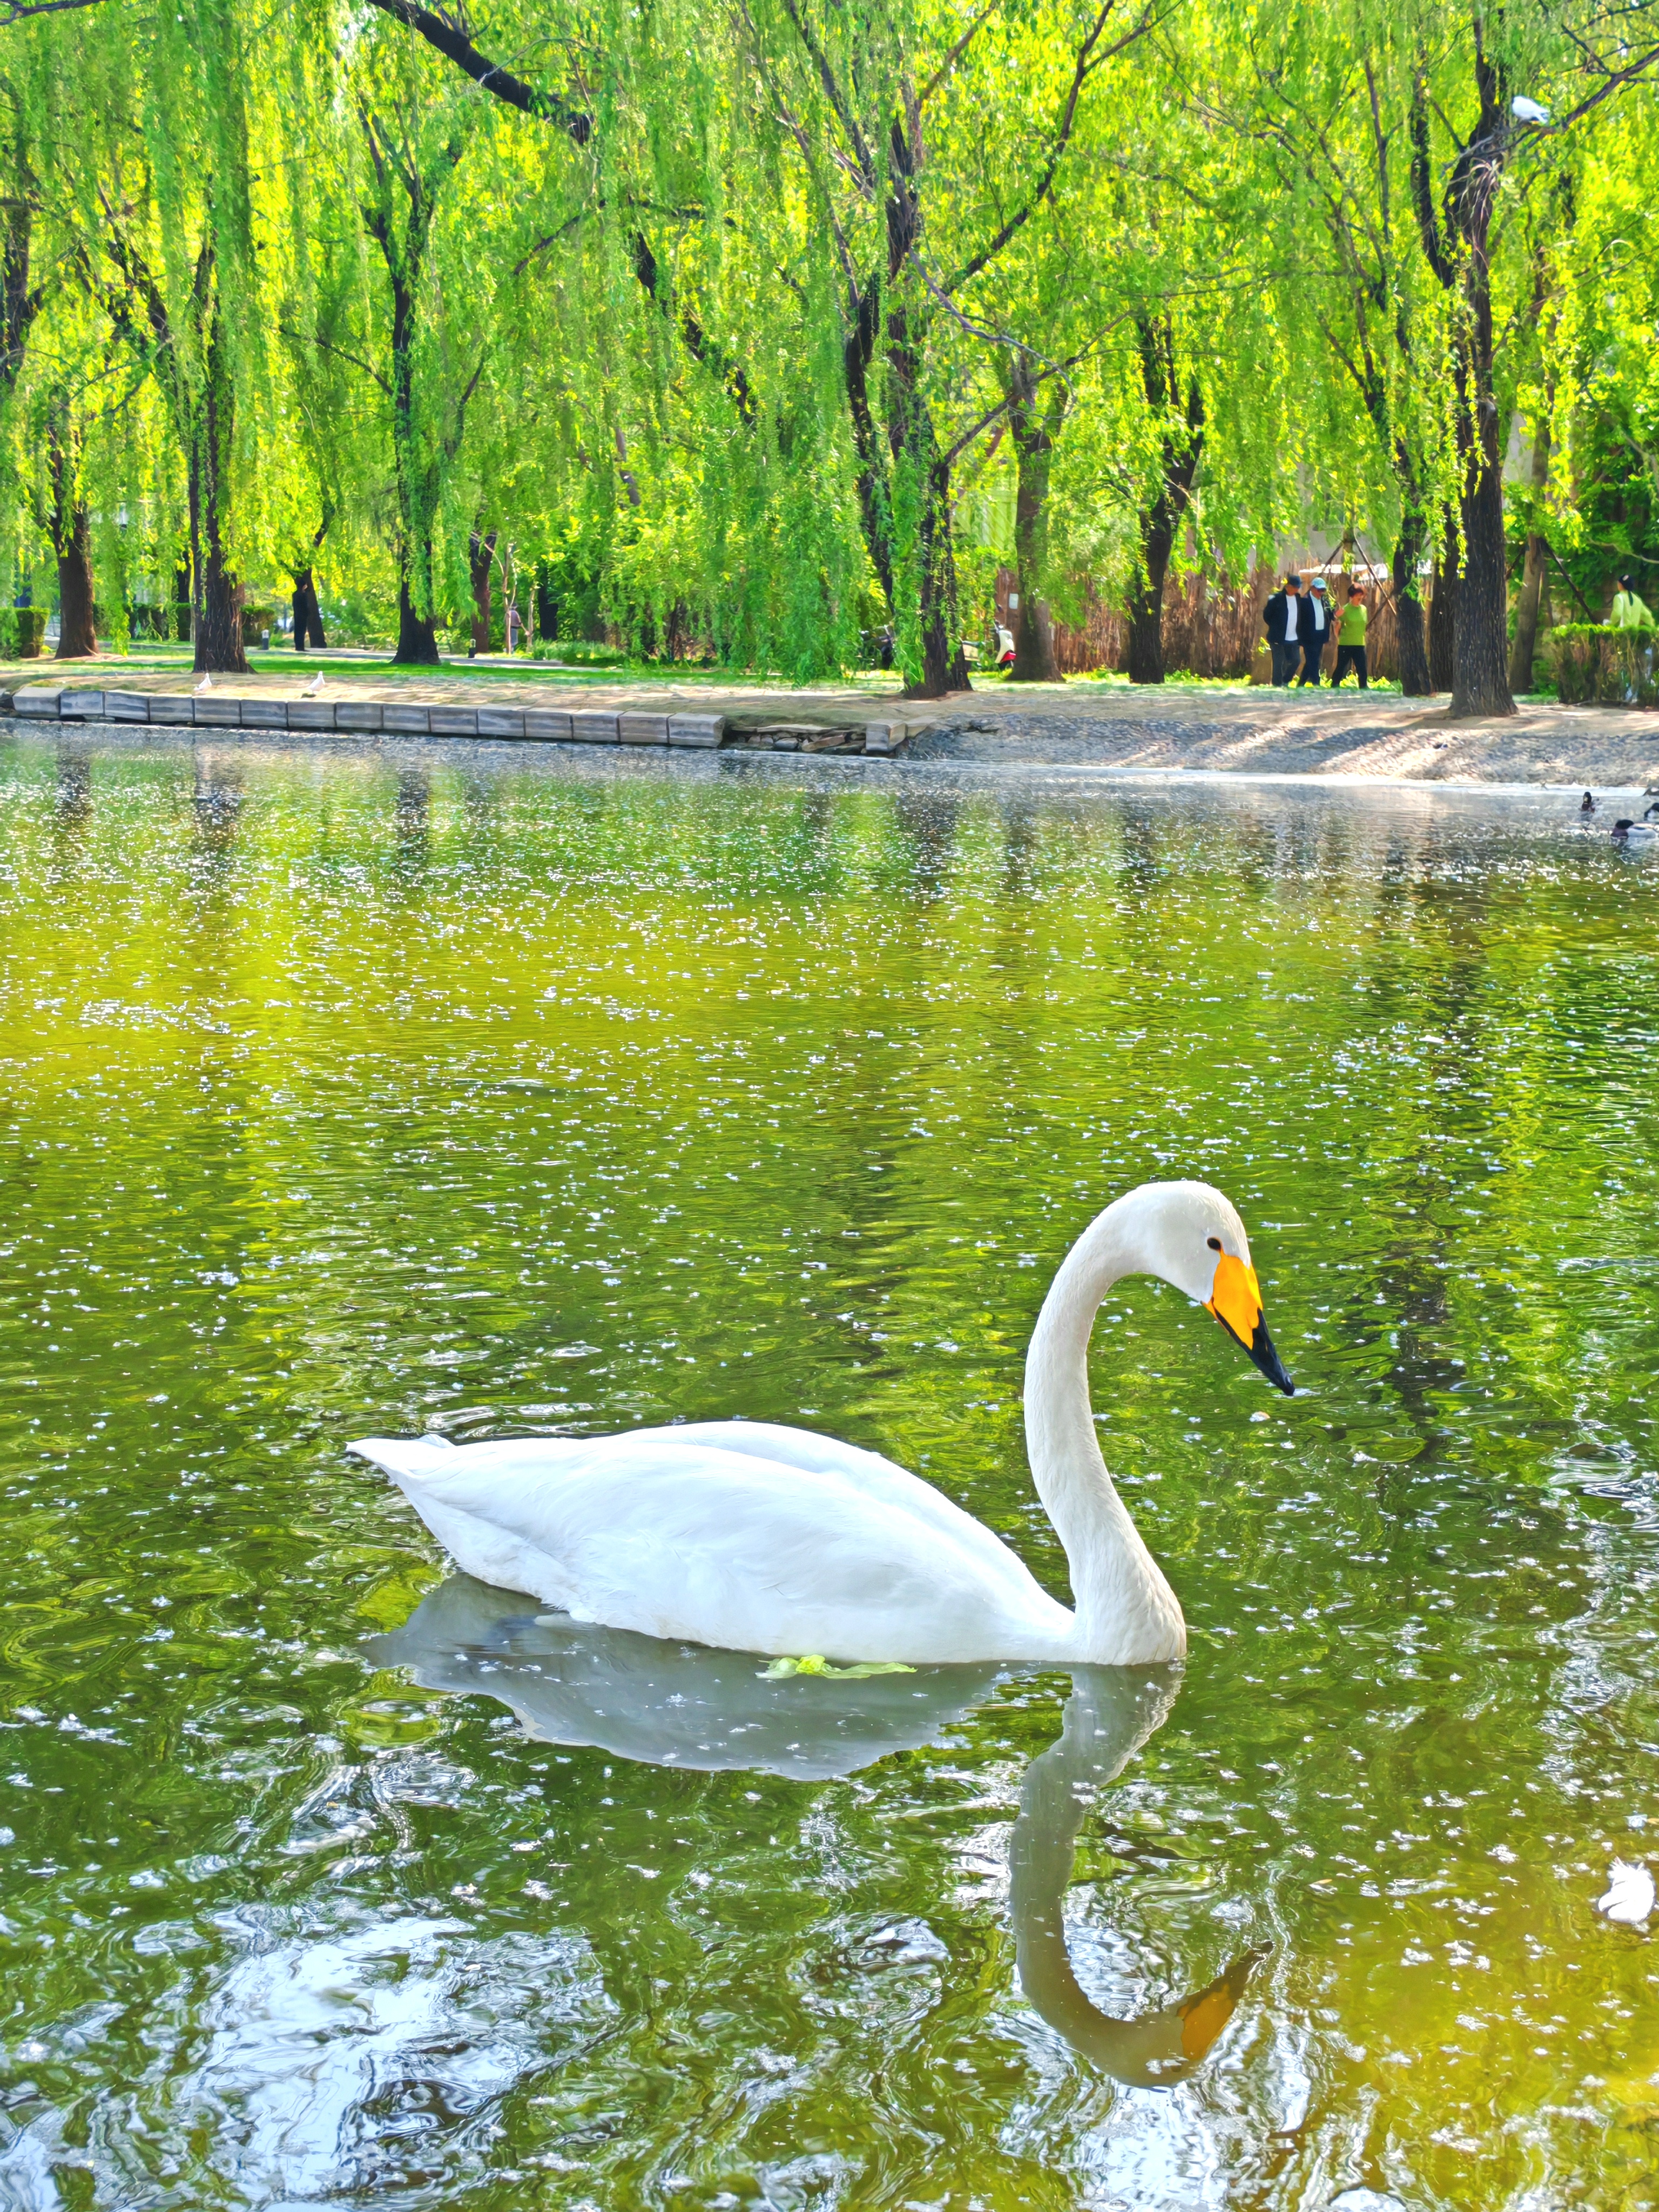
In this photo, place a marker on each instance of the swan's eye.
(1214, 1244)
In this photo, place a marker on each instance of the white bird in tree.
(756, 1538)
(1527, 111)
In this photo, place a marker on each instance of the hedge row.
(1595, 662)
(22, 629)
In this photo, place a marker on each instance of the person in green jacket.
(1351, 639)
(1628, 612)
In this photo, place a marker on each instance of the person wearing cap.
(1628, 612)
(1279, 619)
(1313, 630)
(1351, 638)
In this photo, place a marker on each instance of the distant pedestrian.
(514, 625)
(1314, 628)
(1351, 638)
(1628, 612)
(1279, 619)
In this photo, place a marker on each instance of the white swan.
(756, 1538)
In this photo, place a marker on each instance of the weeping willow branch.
(10, 12)
(451, 40)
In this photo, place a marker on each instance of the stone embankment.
(341, 715)
(1081, 728)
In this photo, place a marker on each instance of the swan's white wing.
(660, 1532)
(881, 1479)
(514, 1460)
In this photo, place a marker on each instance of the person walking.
(1313, 628)
(1351, 639)
(1279, 619)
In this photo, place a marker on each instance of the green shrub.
(22, 629)
(577, 652)
(1594, 662)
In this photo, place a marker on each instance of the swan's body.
(756, 1538)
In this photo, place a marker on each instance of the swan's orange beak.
(1235, 1299)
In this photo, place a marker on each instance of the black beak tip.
(1263, 1355)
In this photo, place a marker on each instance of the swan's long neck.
(1126, 1613)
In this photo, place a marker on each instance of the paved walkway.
(1104, 726)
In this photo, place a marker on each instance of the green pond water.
(345, 1093)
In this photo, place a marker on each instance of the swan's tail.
(405, 1459)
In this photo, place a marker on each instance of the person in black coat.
(1313, 631)
(1280, 618)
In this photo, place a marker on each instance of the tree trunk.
(19, 301)
(1180, 450)
(1415, 680)
(1481, 641)
(1146, 657)
(875, 506)
(1481, 685)
(218, 625)
(419, 472)
(182, 602)
(217, 604)
(547, 606)
(1034, 440)
(1442, 614)
(944, 663)
(417, 641)
(307, 615)
(76, 635)
(481, 552)
(70, 527)
(1532, 575)
(928, 566)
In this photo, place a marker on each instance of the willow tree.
(1036, 258)
(171, 256)
(1592, 395)
(52, 383)
(1321, 129)
(1490, 92)
(933, 144)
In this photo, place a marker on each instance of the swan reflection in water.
(686, 1705)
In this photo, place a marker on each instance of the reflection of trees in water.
(481, 799)
(929, 826)
(72, 809)
(1022, 842)
(217, 802)
(414, 816)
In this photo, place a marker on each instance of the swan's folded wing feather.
(661, 1532)
(868, 1471)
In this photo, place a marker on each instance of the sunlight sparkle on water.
(353, 1093)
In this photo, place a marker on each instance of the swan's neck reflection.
(686, 1706)
(1111, 1712)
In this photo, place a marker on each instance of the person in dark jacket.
(1313, 630)
(1279, 619)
